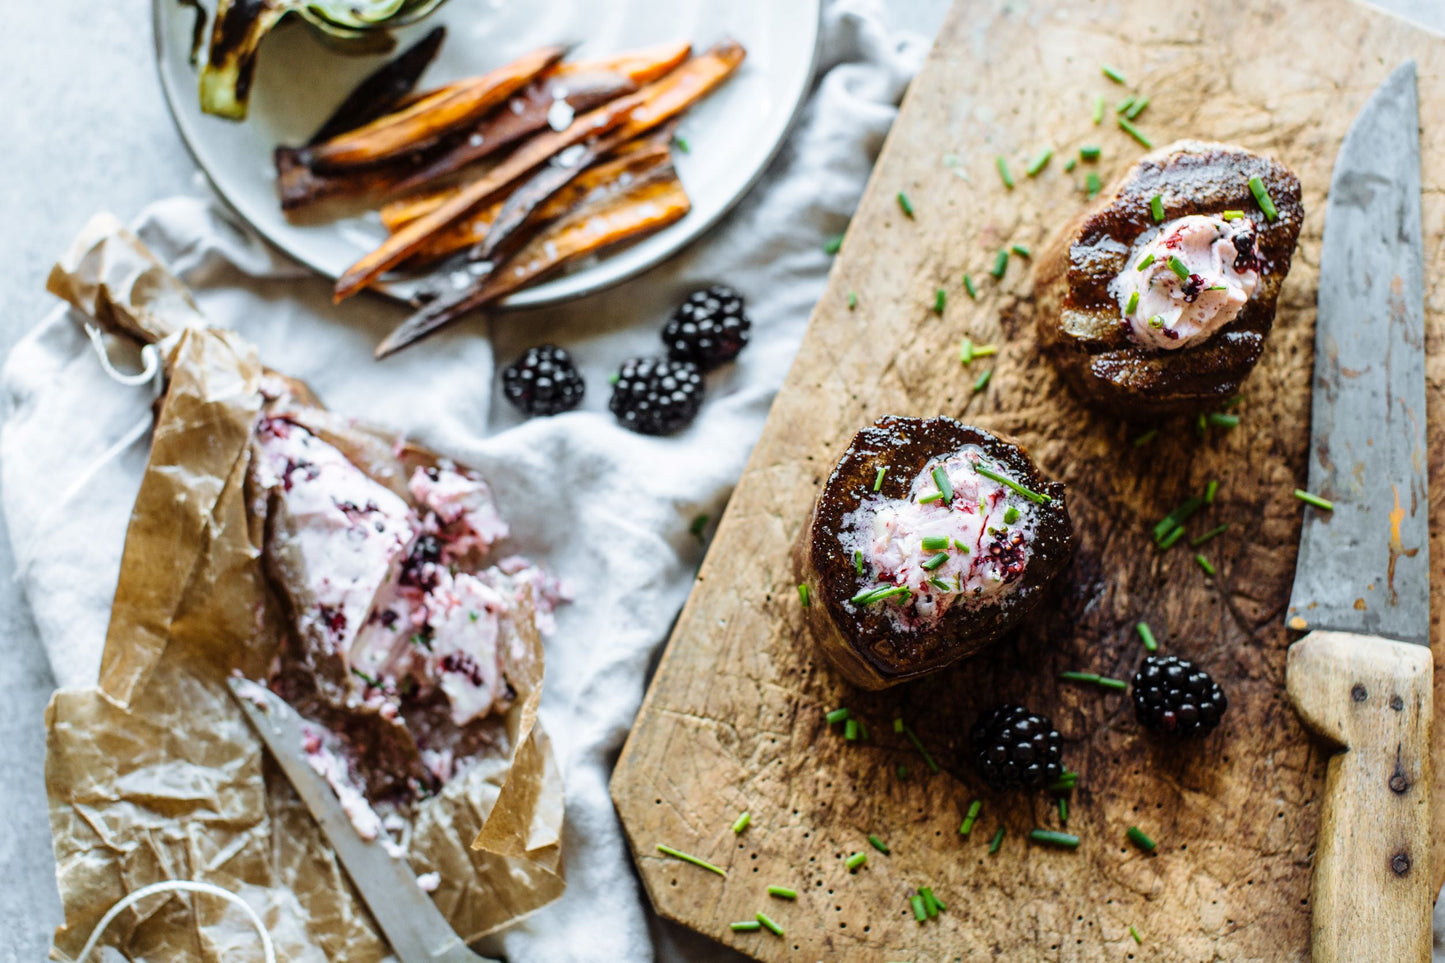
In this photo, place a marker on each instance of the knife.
(1361, 678)
(410, 921)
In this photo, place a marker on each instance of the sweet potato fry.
(685, 86)
(640, 66)
(431, 118)
(648, 205)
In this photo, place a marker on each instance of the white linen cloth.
(608, 510)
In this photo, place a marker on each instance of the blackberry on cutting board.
(709, 328)
(1017, 749)
(1176, 697)
(657, 397)
(544, 381)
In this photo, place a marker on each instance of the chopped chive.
(940, 298)
(1168, 541)
(1090, 152)
(1039, 163)
(934, 543)
(1210, 491)
(880, 594)
(901, 771)
(862, 730)
(900, 726)
(850, 730)
(971, 817)
(1080, 676)
(858, 560)
(1070, 164)
(1137, 108)
(1177, 517)
(1233, 401)
(688, 858)
(905, 205)
(1051, 838)
(996, 842)
(1098, 110)
(1145, 261)
(369, 680)
(968, 286)
(1201, 424)
(930, 905)
(1147, 635)
(965, 351)
(1178, 267)
(772, 927)
(1157, 321)
(833, 244)
(1021, 250)
(878, 844)
(931, 498)
(1063, 809)
(782, 892)
(699, 524)
(682, 143)
(940, 478)
(1000, 264)
(878, 478)
(1135, 933)
(1092, 186)
(1217, 287)
(940, 584)
(614, 378)
(982, 381)
(746, 926)
(1105, 682)
(1135, 133)
(856, 860)
(1147, 437)
(1064, 783)
(803, 594)
(837, 716)
(1261, 196)
(920, 911)
(1138, 838)
(1038, 498)
(1212, 533)
(1216, 420)
(742, 822)
(1232, 215)
(1124, 105)
(1156, 207)
(934, 562)
(1003, 172)
(1010, 515)
(1315, 500)
(852, 300)
(1113, 74)
(1205, 564)
(1133, 302)
(985, 350)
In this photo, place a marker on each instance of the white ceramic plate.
(732, 134)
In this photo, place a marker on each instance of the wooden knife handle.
(1371, 890)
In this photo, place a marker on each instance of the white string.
(178, 885)
(148, 354)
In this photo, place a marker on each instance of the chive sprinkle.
(996, 842)
(746, 926)
(698, 526)
(742, 822)
(833, 244)
(852, 300)
(803, 594)
(940, 584)
(1039, 162)
(1212, 533)
(1133, 302)
(1135, 133)
(880, 594)
(837, 716)
(850, 730)
(688, 858)
(1177, 517)
(920, 912)
(1147, 635)
(772, 927)
(1000, 264)
(965, 351)
(858, 560)
(934, 562)
(1071, 163)
(782, 892)
(900, 726)
(1205, 564)
(1217, 420)
(1099, 110)
(1157, 321)
(1145, 261)
(931, 498)
(985, 350)
(1232, 215)
(940, 298)
(982, 381)
(940, 478)
(1038, 498)
(905, 205)
(1261, 196)
(971, 817)
(1021, 250)
(1156, 207)
(1124, 105)
(1003, 172)
(1092, 186)
(1135, 933)
(878, 478)
(1107, 683)
(682, 143)
(1168, 540)
(1147, 437)
(862, 730)
(1113, 74)
(935, 543)
(856, 860)
(1315, 500)
(1178, 267)
(878, 844)
(1137, 108)
(1051, 838)
(1064, 783)
(1080, 676)
(1210, 491)
(1138, 838)
(1201, 424)
(1090, 152)
(930, 902)
(968, 286)
(1063, 809)
(1010, 515)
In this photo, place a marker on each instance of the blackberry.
(708, 329)
(1176, 697)
(1017, 749)
(656, 397)
(544, 381)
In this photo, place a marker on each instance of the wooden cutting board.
(734, 719)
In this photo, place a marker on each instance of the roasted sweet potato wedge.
(632, 211)
(685, 86)
(430, 119)
(640, 66)
(383, 90)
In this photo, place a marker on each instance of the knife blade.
(1362, 678)
(406, 915)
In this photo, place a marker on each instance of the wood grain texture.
(1370, 697)
(734, 719)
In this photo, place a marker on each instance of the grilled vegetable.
(639, 66)
(383, 89)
